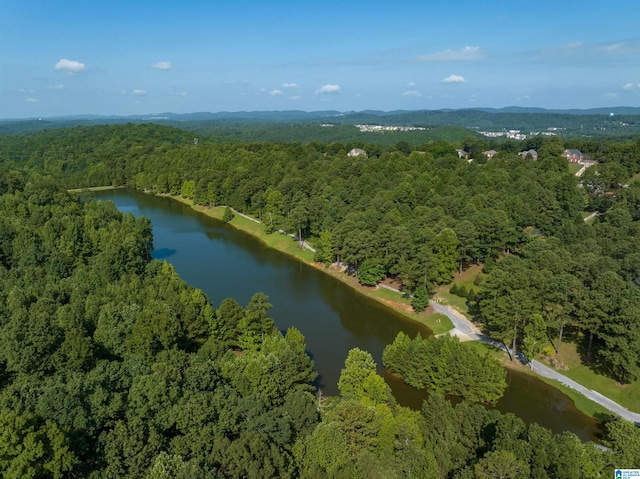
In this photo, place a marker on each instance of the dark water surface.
(333, 317)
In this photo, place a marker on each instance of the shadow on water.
(163, 253)
(333, 317)
(529, 398)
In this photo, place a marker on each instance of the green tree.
(29, 448)
(228, 215)
(535, 337)
(623, 438)
(327, 248)
(445, 252)
(371, 271)
(188, 189)
(420, 299)
(255, 324)
(501, 465)
(359, 380)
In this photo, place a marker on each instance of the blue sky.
(61, 57)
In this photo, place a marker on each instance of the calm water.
(334, 318)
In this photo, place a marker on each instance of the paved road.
(465, 329)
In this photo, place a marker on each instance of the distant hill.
(616, 121)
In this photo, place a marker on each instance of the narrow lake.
(334, 318)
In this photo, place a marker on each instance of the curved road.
(465, 329)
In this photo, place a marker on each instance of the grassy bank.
(437, 323)
(95, 188)
(571, 365)
(583, 404)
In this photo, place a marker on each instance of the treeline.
(446, 366)
(111, 366)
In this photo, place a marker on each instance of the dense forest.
(111, 366)
(416, 214)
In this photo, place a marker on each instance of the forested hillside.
(111, 366)
(304, 127)
(415, 214)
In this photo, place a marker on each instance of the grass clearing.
(627, 395)
(634, 179)
(574, 168)
(452, 300)
(465, 280)
(95, 188)
(483, 348)
(438, 323)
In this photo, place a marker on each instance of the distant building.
(490, 153)
(574, 156)
(357, 152)
(533, 153)
(462, 153)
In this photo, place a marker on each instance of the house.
(574, 156)
(532, 153)
(462, 153)
(489, 153)
(357, 152)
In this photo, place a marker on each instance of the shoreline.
(253, 227)
(96, 188)
(289, 246)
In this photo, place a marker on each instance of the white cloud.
(453, 79)
(611, 96)
(295, 97)
(290, 86)
(31, 100)
(412, 91)
(70, 66)
(275, 93)
(162, 66)
(138, 92)
(464, 54)
(584, 54)
(630, 86)
(328, 89)
(178, 93)
(613, 47)
(59, 86)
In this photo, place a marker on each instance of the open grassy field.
(465, 279)
(627, 395)
(574, 168)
